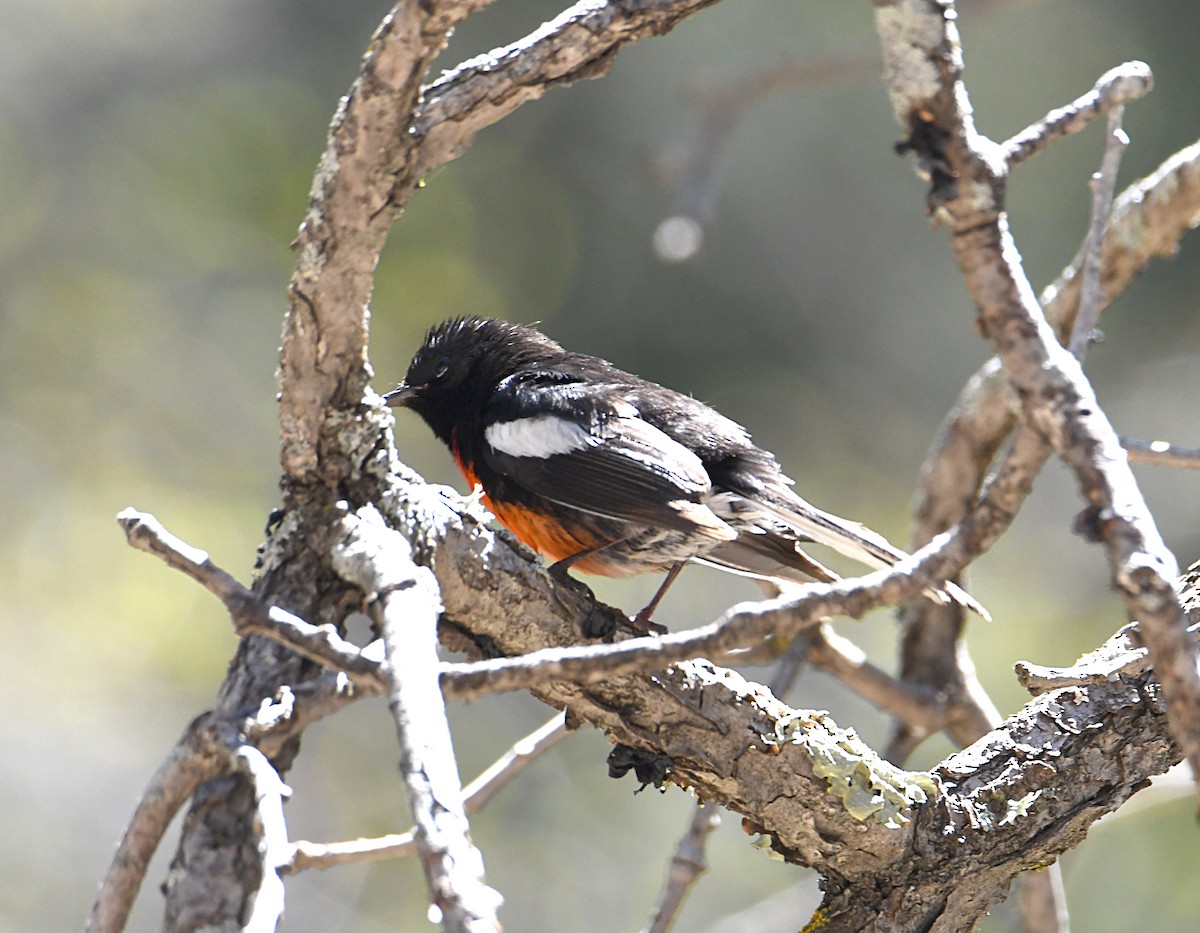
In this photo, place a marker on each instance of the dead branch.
(201, 754)
(476, 795)
(967, 171)
(1161, 453)
(404, 600)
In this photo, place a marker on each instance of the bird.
(607, 473)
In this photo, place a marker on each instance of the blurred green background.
(156, 157)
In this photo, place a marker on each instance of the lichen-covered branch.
(738, 746)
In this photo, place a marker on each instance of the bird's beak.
(402, 395)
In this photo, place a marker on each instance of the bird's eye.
(440, 368)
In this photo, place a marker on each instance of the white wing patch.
(540, 436)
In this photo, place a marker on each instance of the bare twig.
(1113, 90)
(406, 603)
(581, 42)
(1059, 403)
(320, 643)
(523, 753)
(1104, 183)
(272, 845)
(307, 855)
(1161, 453)
(476, 795)
(1149, 218)
(201, 754)
(687, 865)
(295, 708)
(742, 625)
(919, 709)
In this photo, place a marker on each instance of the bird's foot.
(643, 626)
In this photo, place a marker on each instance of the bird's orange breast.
(549, 536)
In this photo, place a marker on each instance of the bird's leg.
(559, 568)
(641, 621)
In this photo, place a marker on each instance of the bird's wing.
(767, 557)
(573, 445)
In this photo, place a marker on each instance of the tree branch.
(579, 43)
(968, 173)
(404, 599)
(1160, 453)
(273, 849)
(1115, 88)
(1104, 182)
(201, 754)
(476, 795)
(366, 174)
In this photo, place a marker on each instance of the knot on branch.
(1145, 577)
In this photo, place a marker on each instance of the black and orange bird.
(611, 474)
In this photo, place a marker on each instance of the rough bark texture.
(1013, 801)
(897, 850)
(374, 161)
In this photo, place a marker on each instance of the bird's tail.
(849, 538)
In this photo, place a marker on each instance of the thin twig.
(743, 625)
(1161, 453)
(320, 643)
(523, 753)
(307, 855)
(1115, 88)
(687, 865)
(296, 707)
(1104, 183)
(476, 795)
(581, 42)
